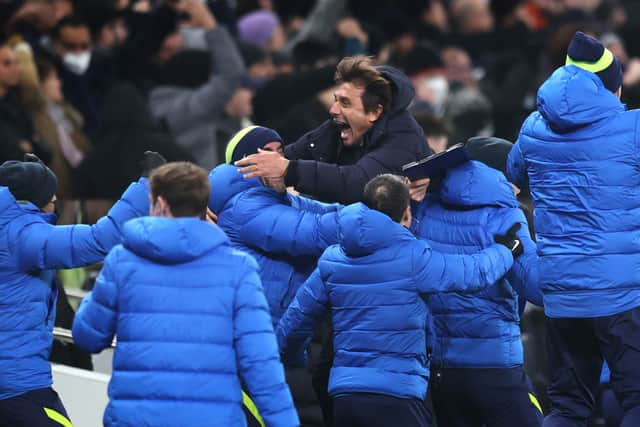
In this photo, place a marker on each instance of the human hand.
(631, 72)
(201, 16)
(264, 164)
(350, 28)
(511, 240)
(418, 189)
(211, 217)
(150, 161)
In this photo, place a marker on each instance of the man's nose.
(335, 109)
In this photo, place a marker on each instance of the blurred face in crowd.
(73, 45)
(436, 15)
(171, 45)
(52, 87)
(8, 69)
(112, 34)
(458, 66)
(240, 105)
(472, 16)
(348, 113)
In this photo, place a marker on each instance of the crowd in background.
(89, 85)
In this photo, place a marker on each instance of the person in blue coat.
(374, 282)
(370, 132)
(579, 154)
(477, 357)
(191, 319)
(32, 248)
(285, 233)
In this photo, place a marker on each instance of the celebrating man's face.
(349, 115)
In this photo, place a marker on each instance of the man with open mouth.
(370, 132)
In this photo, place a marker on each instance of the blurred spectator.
(17, 134)
(262, 28)
(59, 124)
(425, 69)
(190, 103)
(471, 16)
(126, 132)
(258, 62)
(84, 76)
(433, 25)
(458, 67)
(468, 114)
(435, 131)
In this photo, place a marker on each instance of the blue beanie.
(31, 181)
(248, 140)
(589, 54)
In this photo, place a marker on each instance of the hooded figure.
(579, 152)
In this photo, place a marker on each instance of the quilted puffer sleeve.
(516, 168)
(270, 224)
(298, 322)
(95, 322)
(257, 352)
(43, 246)
(438, 272)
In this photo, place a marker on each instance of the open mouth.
(344, 128)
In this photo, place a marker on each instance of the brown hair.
(359, 71)
(184, 186)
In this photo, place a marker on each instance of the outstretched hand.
(150, 161)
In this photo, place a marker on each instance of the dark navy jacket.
(322, 167)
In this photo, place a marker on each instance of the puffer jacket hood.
(404, 91)
(475, 184)
(171, 240)
(226, 182)
(363, 231)
(572, 98)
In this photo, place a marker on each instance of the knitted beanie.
(31, 181)
(589, 54)
(248, 140)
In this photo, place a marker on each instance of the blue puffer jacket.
(192, 321)
(374, 283)
(581, 153)
(481, 329)
(31, 249)
(285, 234)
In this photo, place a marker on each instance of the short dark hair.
(388, 194)
(68, 21)
(184, 186)
(359, 71)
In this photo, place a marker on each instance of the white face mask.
(439, 88)
(77, 62)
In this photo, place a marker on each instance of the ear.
(406, 217)
(374, 115)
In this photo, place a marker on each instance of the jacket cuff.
(291, 177)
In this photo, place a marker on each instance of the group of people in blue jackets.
(213, 281)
